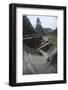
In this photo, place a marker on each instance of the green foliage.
(52, 39)
(52, 32)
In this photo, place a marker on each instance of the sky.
(46, 21)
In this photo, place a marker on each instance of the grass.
(52, 39)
